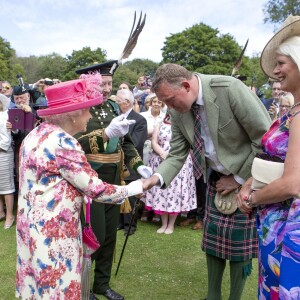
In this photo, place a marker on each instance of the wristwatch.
(249, 200)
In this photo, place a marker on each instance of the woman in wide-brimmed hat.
(54, 177)
(278, 203)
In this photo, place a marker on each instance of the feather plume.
(133, 36)
(238, 63)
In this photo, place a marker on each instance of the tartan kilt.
(232, 237)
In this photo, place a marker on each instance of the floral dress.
(180, 195)
(278, 227)
(54, 175)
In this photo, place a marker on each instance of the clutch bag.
(264, 172)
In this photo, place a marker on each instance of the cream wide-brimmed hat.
(289, 28)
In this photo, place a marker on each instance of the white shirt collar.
(200, 94)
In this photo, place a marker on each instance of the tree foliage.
(9, 66)
(82, 58)
(203, 49)
(131, 70)
(276, 11)
(45, 66)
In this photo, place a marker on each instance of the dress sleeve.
(74, 168)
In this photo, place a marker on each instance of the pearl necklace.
(293, 106)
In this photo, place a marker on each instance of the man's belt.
(105, 157)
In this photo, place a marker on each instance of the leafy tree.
(276, 11)
(9, 67)
(201, 48)
(82, 58)
(142, 67)
(45, 66)
(52, 66)
(131, 70)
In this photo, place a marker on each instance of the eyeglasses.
(5, 87)
(284, 106)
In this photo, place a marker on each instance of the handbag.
(264, 172)
(90, 245)
(226, 204)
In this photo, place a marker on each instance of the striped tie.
(198, 142)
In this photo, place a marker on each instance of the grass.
(154, 266)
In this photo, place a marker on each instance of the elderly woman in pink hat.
(54, 177)
(278, 203)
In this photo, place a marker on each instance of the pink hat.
(73, 95)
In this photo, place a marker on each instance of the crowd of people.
(179, 143)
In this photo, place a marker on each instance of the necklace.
(293, 106)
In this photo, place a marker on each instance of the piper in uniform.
(104, 148)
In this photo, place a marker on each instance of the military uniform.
(105, 159)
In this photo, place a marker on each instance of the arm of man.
(242, 121)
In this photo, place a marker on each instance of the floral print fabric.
(279, 230)
(54, 175)
(180, 195)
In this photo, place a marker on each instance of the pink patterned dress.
(54, 175)
(180, 195)
(278, 228)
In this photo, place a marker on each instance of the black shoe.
(92, 296)
(119, 227)
(112, 295)
(131, 232)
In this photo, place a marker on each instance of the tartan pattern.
(232, 237)
(198, 142)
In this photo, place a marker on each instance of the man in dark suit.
(138, 133)
(272, 105)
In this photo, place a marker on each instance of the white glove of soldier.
(118, 127)
(145, 171)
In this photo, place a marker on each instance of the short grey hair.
(291, 48)
(60, 119)
(127, 94)
(172, 74)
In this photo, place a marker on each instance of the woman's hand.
(163, 155)
(243, 196)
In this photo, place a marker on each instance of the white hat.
(290, 27)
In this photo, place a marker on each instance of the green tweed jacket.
(236, 120)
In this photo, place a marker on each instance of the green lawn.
(154, 267)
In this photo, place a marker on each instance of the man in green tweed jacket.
(233, 121)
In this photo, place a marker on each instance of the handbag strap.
(88, 211)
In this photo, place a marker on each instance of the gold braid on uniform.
(134, 161)
(93, 139)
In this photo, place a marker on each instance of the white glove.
(118, 127)
(135, 188)
(145, 171)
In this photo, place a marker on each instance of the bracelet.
(249, 200)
